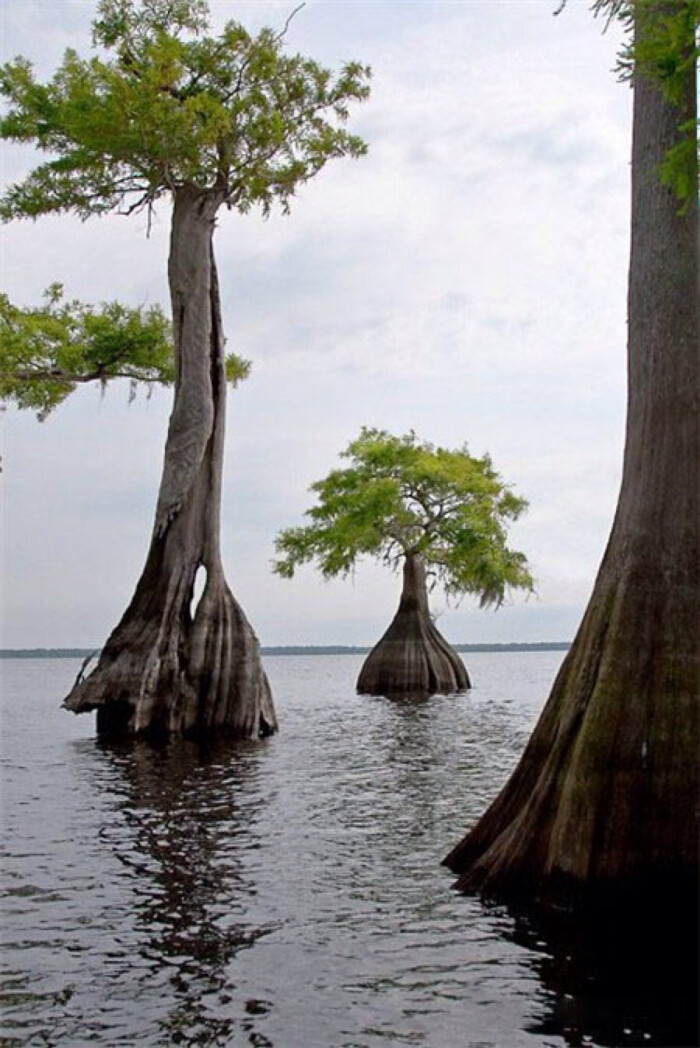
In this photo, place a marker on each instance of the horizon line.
(303, 649)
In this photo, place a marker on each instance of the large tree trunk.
(604, 801)
(168, 668)
(412, 658)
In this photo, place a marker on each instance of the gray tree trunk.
(604, 800)
(412, 658)
(168, 668)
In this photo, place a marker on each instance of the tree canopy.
(663, 46)
(47, 351)
(403, 497)
(232, 114)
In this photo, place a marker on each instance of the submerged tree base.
(203, 678)
(127, 708)
(413, 658)
(602, 803)
(152, 685)
(171, 670)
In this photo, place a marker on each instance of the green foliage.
(232, 114)
(127, 21)
(47, 351)
(666, 48)
(663, 44)
(400, 496)
(662, 41)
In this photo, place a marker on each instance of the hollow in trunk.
(169, 668)
(412, 658)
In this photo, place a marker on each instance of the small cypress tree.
(441, 515)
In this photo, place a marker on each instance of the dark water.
(288, 893)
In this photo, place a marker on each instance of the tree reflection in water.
(185, 825)
(290, 892)
(615, 981)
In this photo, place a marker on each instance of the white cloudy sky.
(467, 279)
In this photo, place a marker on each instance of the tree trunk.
(412, 658)
(168, 668)
(604, 801)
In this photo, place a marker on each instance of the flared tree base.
(413, 658)
(599, 815)
(168, 675)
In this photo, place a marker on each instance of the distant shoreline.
(309, 649)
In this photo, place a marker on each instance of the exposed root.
(83, 666)
(233, 691)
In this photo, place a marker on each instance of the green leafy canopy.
(666, 48)
(46, 351)
(401, 496)
(160, 106)
(662, 44)
(163, 105)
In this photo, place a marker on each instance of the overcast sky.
(466, 279)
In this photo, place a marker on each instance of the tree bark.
(603, 803)
(412, 658)
(169, 669)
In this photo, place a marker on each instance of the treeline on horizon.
(292, 649)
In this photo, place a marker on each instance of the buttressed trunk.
(604, 801)
(412, 658)
(169, 668)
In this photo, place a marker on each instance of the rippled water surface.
(286, 893)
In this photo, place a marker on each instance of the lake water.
(287, 893)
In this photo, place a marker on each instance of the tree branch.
(102, 373)
(287, 24)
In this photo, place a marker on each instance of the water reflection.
(186, 820)
(614, 983)
(620, 982)
(290, 892)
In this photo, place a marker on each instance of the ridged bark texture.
(604, 803)
(412, 658)
(169, 669)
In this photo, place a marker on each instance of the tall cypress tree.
(604, 800)
(207, 122)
